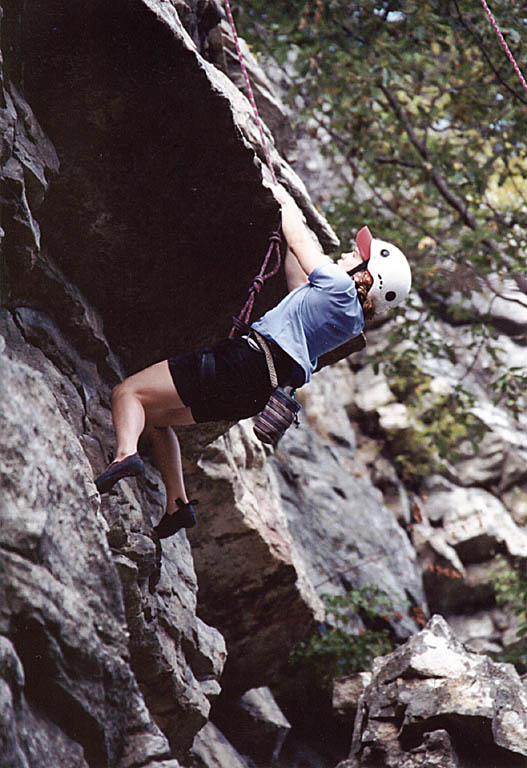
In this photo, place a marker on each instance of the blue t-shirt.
(316, 317)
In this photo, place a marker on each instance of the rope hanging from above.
(504, 43)
(250, 90)
(241, 321)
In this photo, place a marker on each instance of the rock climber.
(326, 305)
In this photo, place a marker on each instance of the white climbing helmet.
(387, 264)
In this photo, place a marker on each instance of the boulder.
(432, 702)
(477, 631)
(461, 532)
(212, 750)
(472, 522)
(515, 500)
(498, 461)
(247, 563)
(347, 692)
(255, 725)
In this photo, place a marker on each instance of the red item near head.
(363, 240)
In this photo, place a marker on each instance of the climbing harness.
(504, 43)
(241, 321)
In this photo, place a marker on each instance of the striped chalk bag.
(281, 410)
(279, 413)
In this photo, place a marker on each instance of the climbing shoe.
(131, 466)
(183, 517)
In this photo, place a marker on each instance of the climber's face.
(349, 260)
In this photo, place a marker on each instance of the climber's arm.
(300, 239)
(294, 274)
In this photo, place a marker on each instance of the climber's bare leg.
(146, 398)
(149, 402)
(166, 454)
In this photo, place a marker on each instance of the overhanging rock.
(155, 144)
(162, 211)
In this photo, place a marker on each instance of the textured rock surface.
(61, 598)
(345, 533)
(248, 567)
(212, 750)
(121, 91)
(431, 702)
(147, 127)
(255, 725)
(105, 660)
(473, 509)
(132, 185)
(347, 692)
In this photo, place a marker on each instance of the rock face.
(433, 703)
(136, 210)
(466, 510)
(244, 549)
(130, 104)
(104, 659)
(346, 535)
(66, 651)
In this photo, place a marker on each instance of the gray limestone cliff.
(136, 210)
(127, 235)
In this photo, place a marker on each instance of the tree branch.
(439, 182)
(396, 161)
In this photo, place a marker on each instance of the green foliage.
(510, 587)
(333, 651)
(407, 380)
(439, 420)
(422, 113)
(510, 388)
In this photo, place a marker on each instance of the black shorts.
(240, 386)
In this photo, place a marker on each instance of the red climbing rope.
(275, 239)
(249, 90)
(504, 43)
(257, 285)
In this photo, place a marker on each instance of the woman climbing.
(326, 306)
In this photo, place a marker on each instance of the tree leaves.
(334, 650)
(422, 105)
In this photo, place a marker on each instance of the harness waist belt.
(207, 373)
(284, 363)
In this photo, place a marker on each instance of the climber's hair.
(363, 283)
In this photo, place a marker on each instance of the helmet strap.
(359, 268)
